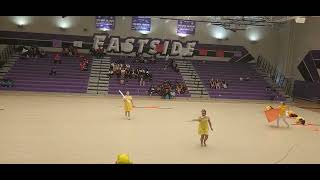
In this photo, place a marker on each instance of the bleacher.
(33, 75)
(255, 88)
(158, 75)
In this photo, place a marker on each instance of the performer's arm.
(132, 103)
(196, 120)
(210, 124)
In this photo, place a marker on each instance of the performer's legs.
(205, 139)
(128, 115)
(284, 120)
(278, 122)
(201, 139)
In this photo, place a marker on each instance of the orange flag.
(272, 114)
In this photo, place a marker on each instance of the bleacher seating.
(33, 75)
(231, 73)
(158, 76)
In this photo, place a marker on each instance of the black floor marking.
(285, 155)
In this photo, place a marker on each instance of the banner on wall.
(159, 48)
(141, 23)
(237, 54)
(186, 27)
(203, 52)
(56, 43)
(105, 22)
(220, 53)
(77, 44)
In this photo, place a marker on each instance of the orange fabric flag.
(272, 114)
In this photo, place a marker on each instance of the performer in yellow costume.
(128, 104)
(204, 123)
(123, 159)
(282, 114)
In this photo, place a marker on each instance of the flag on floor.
(272, 114)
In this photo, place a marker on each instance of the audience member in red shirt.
(57, 59)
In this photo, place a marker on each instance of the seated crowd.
(71, 51)
(218, 84)
(168, 90)
(98, 53)
(84, 63)
(125, 72)
(173, 65)
(32, 52)
(6, 82)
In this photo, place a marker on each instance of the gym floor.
(56, 128)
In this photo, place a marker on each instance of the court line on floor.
(285, 154)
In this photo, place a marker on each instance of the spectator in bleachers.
(183, 88)
(70, 50)
(218, 84)
(42, 53)
(75, 51)
(151, 90)
(57, 59)
(122, 71)
(110, 73)
(167, 93)
(84, 63)
(212, 83)
(25, 52)
(224, 84)
(6, 83)
(65, 52)
(142, 79)
(53, 71)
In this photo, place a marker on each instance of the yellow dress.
(127, 103)
(282, 112)
(203, 125)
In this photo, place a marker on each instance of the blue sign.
(186, 27)
(105, 22)
(141, 23)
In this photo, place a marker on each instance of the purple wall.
(308, 60)
(42, 36)
(306, 90)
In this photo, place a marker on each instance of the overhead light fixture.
(62, 28)
(20, 26)
(182, 35)
(104, 29)
(300, 20)
(21, 20)
(144, 32)
(219, 32)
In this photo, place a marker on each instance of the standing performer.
(203, 127)
(282, 114)
(128, 104)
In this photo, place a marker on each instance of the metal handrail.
(277, 77)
